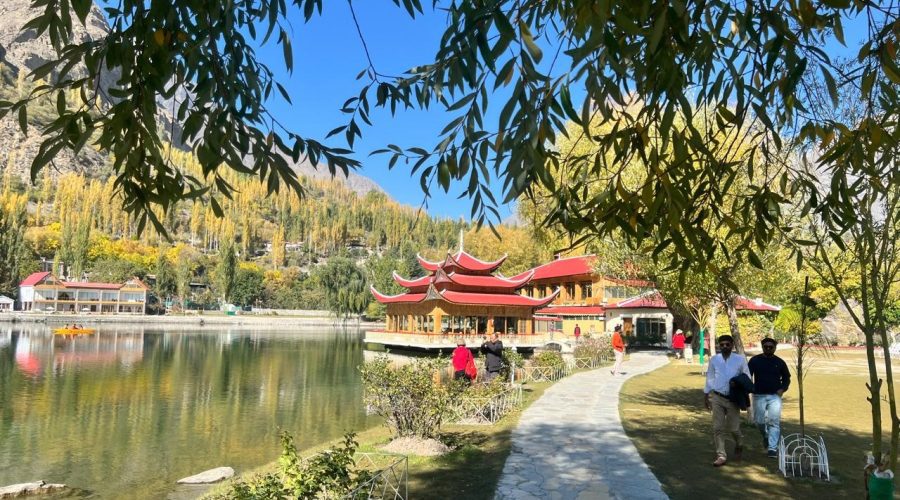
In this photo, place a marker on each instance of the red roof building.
(44, 292)
(460, 295)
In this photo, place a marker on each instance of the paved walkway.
(570, 444)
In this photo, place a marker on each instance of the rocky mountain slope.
(21, 52)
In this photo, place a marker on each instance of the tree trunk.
(733, 324)
(874, 398)
(892, 401)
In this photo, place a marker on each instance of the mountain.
(22, 52)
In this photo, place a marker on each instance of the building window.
(506, 324)
(587, 290)
(570, 291)
(620, 292)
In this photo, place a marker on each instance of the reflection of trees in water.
(192, 401)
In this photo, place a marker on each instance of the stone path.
(570, 444)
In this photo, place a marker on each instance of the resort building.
(461, 296)
(583, 297)
(44, 292)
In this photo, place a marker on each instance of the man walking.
(723, 367)
(771, 378)
(577, 332)
(493, 357)
(618, 346)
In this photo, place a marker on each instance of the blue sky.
(328, 55)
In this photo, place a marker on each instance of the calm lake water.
(127, 411)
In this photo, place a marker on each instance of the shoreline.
(314, 319)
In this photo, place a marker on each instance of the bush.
(407, 396)
(549, 359)
(329, 474)
(511, 359)
(595, 347)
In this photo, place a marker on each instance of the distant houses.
(44, 292)
(6, 303)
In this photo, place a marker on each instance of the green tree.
(184, 272)
(248, 285)
(346, 291)
(739, 65)
(226, 270)
(165, 277)
(12, 242)
(113, 270)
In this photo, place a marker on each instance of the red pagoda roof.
(409, 298)
(462, 260)
(497, 299)
(569, 266)
(34, 278)
(572, 310)
(455, 297)
(422, 282)
(490, 281)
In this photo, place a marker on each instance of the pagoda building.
(461, 295)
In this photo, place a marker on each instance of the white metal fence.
(390, 477)
(487, 410)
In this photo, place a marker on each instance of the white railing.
(389, 477)
(487, 410)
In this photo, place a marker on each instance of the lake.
(129, 410)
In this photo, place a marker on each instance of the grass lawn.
(471, 471)
(663, 414)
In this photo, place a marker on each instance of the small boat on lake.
(74, 331)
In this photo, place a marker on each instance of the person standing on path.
(618, 346)
(723, 367)
(577, 332)
(771, 378)
(493, 357)
(462, 356)
(678, 344)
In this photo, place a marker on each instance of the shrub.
(329, 474)
(511, 359)
(595, 347)
(407, 396)
(549, 359)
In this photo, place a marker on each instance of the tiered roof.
(462, 261)
(463, 279)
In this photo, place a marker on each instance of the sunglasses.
(725, 344)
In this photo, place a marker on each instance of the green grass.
(471, 471)
(663, 414)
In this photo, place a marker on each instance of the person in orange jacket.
(618, 346)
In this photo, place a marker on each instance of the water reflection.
(127, 411)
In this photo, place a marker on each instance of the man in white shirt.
(726, 415)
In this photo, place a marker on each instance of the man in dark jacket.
(493, 360)
(771, 378)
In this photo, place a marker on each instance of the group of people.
(73, 326)
(730, 380)
(464, 362)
